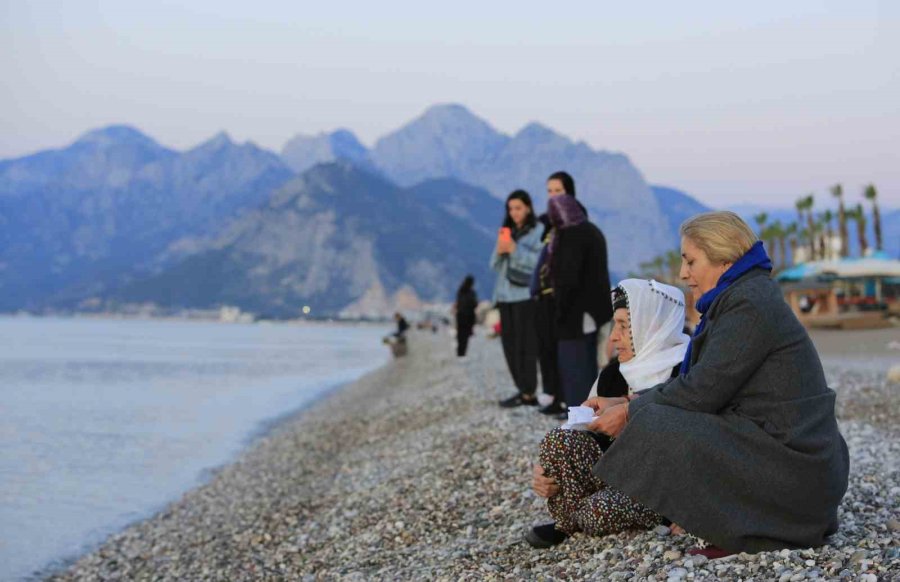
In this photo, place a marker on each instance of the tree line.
(813, 231)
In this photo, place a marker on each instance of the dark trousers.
(578, 367)
(548, 348)
(519, 340)
(463, 334)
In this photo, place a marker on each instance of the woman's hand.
(506, 247)
(612, 421)
(544, 486)
(600, 403)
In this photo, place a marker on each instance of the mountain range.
(449, 141)
(116, 219)
(329, 238)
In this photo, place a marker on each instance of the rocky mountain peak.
(113, 135)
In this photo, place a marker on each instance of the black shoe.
(553, 408)
(545, 536)
(518, 400)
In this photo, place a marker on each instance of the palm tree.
(808, 204)
(768, 237)
(779, 236)
(673, 263)
(827, 217)
(838, 192)
(805, 236)
(658, 263)
(872, 194)
(761, 219)
(800, 205)
(791, 233)
(820, 236)
(861, 224)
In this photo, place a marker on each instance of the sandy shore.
(413, 472)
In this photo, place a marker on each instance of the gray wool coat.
(744, 450)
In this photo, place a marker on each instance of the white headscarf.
(656, 311)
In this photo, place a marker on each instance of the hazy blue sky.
(732, 102)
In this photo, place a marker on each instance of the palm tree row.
(811, 236)
(818, 234)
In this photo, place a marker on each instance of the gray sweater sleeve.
(735, 347)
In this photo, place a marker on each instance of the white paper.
(579, 418)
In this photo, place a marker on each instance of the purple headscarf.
(563, 211)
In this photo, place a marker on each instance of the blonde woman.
(742, 448)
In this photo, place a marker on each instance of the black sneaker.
(518, 400)
(545, 536)
(553, 408)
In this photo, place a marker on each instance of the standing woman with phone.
(514, 260)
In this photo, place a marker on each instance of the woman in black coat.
(578, 269)
(466, 302)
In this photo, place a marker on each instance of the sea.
(105, 421)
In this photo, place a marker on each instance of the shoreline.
(205, 475)
(413, 472)
(300, 392)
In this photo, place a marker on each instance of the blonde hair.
(722, 235)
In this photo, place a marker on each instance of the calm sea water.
(102, 422)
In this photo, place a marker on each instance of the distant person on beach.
(514, 259)
(577, 266)
(650, 345)
(742, 448)
(402, 326)
(558, 184)
(464, 309)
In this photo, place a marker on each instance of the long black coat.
(580, 274)
(466, 302)
(744, 450)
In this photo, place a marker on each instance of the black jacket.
(612, 384)
(466, 303)
(580, 279)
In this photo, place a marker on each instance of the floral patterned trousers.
(585, 503)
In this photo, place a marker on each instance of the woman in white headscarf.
(650, 342)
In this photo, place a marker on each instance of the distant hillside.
(677, 207)
(83, 219)
(335, 236)
(115, 217)
(448, 141)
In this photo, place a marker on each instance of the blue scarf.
(755, 258)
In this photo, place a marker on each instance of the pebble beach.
(414, 473)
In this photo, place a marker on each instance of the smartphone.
(505, 234)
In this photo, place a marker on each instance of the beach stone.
(893, 374)
(857, 557)
(662, 530)
(893, 524)
(436, 456)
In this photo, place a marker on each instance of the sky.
(751, 102)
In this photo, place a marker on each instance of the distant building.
(857, 292)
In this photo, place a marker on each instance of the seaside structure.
(844, 293)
